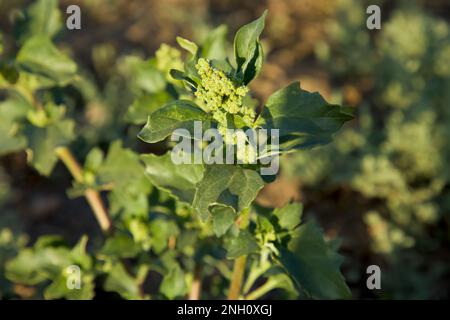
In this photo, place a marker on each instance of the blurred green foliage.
(398, 153)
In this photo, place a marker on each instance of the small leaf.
(215, 45)
(242, 244)
(289, 216)
(247, 49)
(223, 218)
(39, 56)
(58, 288)
(42, 143)
(160, 232)
(182, 76)
(145, 105)
(79, 255)
(179, 114)
(174, 284)
(304, 119)
(125, 172)
(42, 17)
(228, 185)
(94, 160)
(12, 113)
(178, 179)
(143, 74)
(120, 281)
(188, 45)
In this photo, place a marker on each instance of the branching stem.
(92, 196)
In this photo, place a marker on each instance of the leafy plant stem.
(92, 196)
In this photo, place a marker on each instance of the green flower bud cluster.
(221, 96)
(168, 58)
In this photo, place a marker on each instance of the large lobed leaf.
(178, 179)
(304, 119)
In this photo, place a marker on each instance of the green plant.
(177, 225)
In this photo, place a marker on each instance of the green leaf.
(174, 284)
(145, 105)
(225, 66)
(120, 281)
(179, 114)
(178, 179)
(79, 255)
(215, 45)
(94, 160)
(9, 74)
(247, 49)
(304, 119)
(223, 218)
(160, 232)
(39, 56)
(282, 281)
(228, 185)
(182, 76)
(139, 230)
(121, 166)
(42, 18)
(289, 216)
(242, 244)
(188, 45)
(12, 113)
(314, 265)
(120, 246)
(42, 143)
(124, 171)
(143, 75)
(31, 266)
(48, 260)
(58, 288)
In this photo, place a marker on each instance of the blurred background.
(383, 186)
